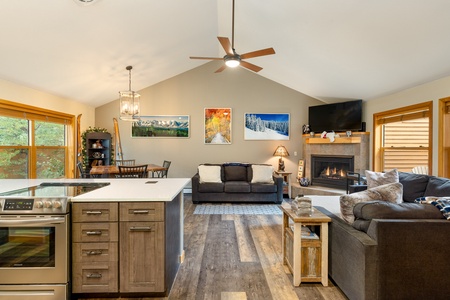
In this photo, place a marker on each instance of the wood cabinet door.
(142, 257)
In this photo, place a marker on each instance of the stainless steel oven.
(34, 241)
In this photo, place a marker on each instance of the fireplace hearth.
(331, 170)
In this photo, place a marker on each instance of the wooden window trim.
(23, 111)
(410, 112)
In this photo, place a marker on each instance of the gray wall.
(188, 94)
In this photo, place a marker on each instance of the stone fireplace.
(354, 148)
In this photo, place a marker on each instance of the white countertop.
(165, 189)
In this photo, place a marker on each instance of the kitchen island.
(127, 237)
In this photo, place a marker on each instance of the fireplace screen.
(331, 170)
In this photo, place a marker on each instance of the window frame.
(33, 113)
(419, 110)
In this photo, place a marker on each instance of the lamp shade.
(281, 151)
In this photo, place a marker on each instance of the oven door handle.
(33, 222)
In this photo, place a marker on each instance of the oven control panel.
(33, 205)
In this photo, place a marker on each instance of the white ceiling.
(327, 49)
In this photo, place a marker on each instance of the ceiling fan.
(233, 59)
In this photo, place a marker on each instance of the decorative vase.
(303, 181)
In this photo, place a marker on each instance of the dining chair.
(161, 174)
(82, 171)
(138, 171)
(125, 162)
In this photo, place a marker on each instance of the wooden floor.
(238, 257)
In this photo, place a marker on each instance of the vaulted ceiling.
(327, 49)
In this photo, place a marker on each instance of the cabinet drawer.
(95, 278)
(95, 252)
(94, 212)
(142, 211)
(95, 232)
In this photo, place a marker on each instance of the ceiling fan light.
(232, 62)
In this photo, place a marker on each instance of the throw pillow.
(392, 192)
(347, 202)
(262, 174)
(379, 178)
(209, 173)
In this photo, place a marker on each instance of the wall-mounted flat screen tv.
(341, 116)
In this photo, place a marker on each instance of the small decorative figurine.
(306, 129)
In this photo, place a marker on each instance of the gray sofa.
(393, 251)
(236, 186)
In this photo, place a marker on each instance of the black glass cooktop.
(56, 189)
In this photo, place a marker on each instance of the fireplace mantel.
(338, 140)
(356, 145)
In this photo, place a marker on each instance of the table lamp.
(281, 151)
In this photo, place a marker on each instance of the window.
(403, 138)
(444, 138)
(35, 143)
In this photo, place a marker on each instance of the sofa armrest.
(412, 258)
(278, 181)
(195, 181)
(352, 259)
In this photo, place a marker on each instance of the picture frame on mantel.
(267, 126)
(217, 129)
(161, 126)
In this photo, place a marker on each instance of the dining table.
(113, 170)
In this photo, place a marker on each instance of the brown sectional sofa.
(393, 251)
(236, 186)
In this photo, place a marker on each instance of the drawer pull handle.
(94, 275)
(94, 252)
(94, 232)
(140, 212)
(140, 228)
(94, 212)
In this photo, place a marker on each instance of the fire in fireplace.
(331, 170)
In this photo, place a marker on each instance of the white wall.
(431, 91)
(25, 95)
(188, 94)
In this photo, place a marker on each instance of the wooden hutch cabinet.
(98, 149)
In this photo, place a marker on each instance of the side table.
(305, 252)
(286, 182)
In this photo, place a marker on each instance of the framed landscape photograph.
(266, 126)
(162, 126)
(218, 126)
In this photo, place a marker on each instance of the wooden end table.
(306, 256)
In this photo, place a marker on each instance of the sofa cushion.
(235, 172)
(209, 173)
(236, 187)
(365, 212)
(379, 178)
(211, 187)
(414, 185)
(263, 188)
(262, 174)
(438, 187)
(391, 192)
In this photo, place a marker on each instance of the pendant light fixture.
(129, 102)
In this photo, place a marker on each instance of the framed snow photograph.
(266, 126)
(218, 126)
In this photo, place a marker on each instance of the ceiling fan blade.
(257, 53)
(211, 58)
(250, 66)
(220, 69)
(225, 42)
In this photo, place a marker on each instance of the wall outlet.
(295, 153)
